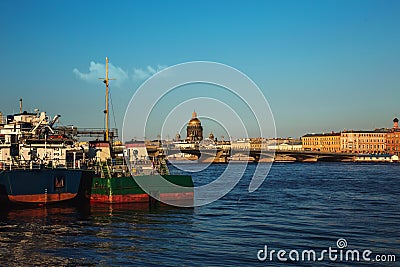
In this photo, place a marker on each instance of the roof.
(321, 134)
(24, 113)
(367, 131)
(135, 142)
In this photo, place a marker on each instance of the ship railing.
(110, 168)
(95, 132)
(6, 165)
(141, 162)
(77, 164)
(118, 162)
(36, 165)
(20, 165)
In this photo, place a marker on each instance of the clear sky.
(322, 65)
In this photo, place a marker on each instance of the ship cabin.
(28, 140)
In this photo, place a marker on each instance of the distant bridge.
(303, 155)
(219, 154)
(203, 154)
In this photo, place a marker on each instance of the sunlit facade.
(325, 142)
(393, 139)
(364, 142)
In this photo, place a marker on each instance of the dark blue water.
(298, 207)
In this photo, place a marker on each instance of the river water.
(298, 207)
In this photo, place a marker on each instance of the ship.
(121, 172)
(39, 166)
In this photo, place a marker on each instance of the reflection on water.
(299, 206)
(77, 236)
(27, 233)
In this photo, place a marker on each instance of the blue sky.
(322, 65)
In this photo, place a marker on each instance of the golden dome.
(194, 122)
(194, 130)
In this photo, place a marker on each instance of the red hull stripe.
(41, 198)
(128, 198)
(139, 198)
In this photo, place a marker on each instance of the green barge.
(121, 177)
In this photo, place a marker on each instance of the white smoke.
(142, 74)
(98, 70)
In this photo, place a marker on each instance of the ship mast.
(106, 81)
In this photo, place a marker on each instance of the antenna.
(105, 80)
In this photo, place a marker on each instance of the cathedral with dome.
(194, 130)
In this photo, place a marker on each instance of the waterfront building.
(260, 143)
(241, 145)
(364, 142)
(194, 130)
(240, 150)
(325, 142)
(393, 139)
(291, 146)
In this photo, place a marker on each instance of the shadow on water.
(89, 235)
(84, 211)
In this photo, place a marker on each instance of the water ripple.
(299, 206)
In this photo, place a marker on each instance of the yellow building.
(323, 142)
(364, 142)
(258, 144)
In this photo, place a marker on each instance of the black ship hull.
(44, 186)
